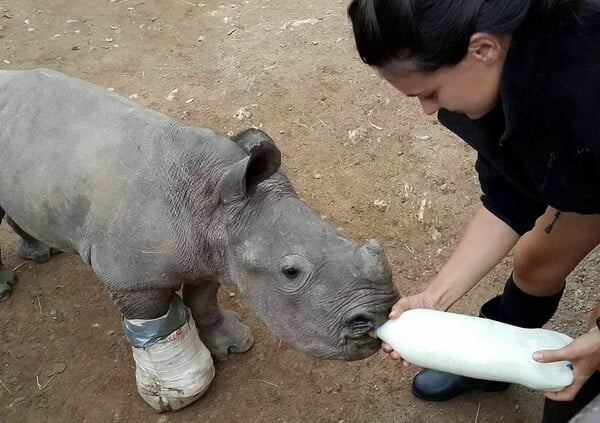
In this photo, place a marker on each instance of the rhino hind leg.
(30, 248)
(220, 330)
(7, 277)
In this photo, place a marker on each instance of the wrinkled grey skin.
(153, 205)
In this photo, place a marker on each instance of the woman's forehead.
(399, 69)
(411, 83)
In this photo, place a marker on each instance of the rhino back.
(82, 167)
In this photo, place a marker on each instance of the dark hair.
(436, 33)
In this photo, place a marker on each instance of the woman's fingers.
(550, 356)
(568, 393)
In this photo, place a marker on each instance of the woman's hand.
(584, 353)
(407, 303)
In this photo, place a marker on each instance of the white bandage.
(174, 371)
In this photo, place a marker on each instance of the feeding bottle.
(477, 347)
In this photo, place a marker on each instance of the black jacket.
(541, 145)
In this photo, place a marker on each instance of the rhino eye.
(291, 272)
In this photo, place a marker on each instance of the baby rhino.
(155, 206)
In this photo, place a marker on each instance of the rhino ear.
(241, 179)
(251, 138)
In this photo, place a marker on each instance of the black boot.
(433, 385)
(513, 307)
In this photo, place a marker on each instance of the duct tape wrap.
(142, 333)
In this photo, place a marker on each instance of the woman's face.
(471, 87)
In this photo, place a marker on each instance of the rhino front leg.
(173, 367)
(143, 304)
(30, 248)
(220, 330)
(7, 277)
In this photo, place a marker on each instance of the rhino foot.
(7, 280)
(229, 335)
(35, 251)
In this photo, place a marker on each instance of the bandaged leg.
(173, 367)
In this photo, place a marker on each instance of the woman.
(520, 82)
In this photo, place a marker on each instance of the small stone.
(162, 419)
(517, 407)
(380, 205)
(434, 234)
(110, 332)
(55, 369)
(201, 38)
(189, 100)
(134, 96)
(317, 176)
(422, 137)
(96, 325)
(75, 48)
(15, 401)
(171, 95)
(242, 114)
(71, 21)
(232, 294)
(356, 135)
(108, 40)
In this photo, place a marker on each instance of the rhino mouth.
(359, 347)
(361, 326)
(361, 331)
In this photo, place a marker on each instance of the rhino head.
(314, 287)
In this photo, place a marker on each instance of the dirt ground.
(349, 142)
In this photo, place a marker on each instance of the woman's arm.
(486, 241)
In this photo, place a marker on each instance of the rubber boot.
(514, 307)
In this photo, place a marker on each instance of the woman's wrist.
(442, 294)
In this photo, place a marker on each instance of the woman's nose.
(429, 106)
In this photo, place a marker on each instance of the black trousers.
(563, 411)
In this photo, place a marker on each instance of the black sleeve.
(504, 201)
